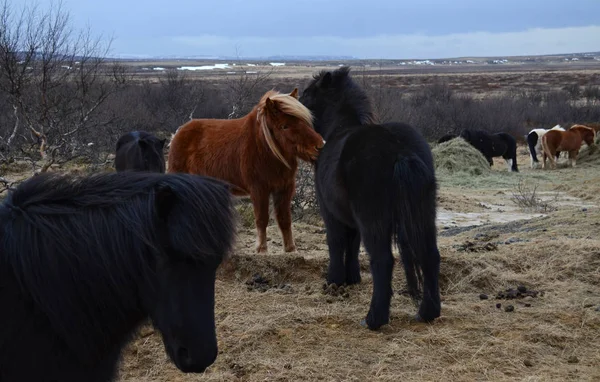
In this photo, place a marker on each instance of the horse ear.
(294, 93)
(165, 200)
(325, 80)
(271, 106)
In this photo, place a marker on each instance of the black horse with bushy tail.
(374, 183)
(493, 145)
(140, 151)
(85, 260)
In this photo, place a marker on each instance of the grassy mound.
(458, 156)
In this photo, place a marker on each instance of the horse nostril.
(183, 355)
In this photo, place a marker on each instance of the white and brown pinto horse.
(534, 141)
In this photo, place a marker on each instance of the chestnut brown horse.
(257, 153)
(570, 141)
(596, 127)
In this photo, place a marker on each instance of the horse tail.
(532, 140)
(546, 148)
(414, 220)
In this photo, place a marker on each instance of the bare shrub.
(591, 92)
(56, 82)
(527, 199)
(305, 200)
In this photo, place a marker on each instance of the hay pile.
(588, 156)
(458, 156)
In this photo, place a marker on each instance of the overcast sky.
(360, 28)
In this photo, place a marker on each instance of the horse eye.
(283, 127)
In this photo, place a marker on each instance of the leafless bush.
(55, 80)
(574, 90)
(592, 92)
(243, 89)
(526, 198)
(305, 199)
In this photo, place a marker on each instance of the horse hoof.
(363, 323)
(290, 248)
(261, 249)
(353, 280)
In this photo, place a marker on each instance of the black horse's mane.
(77, 243)
(353, 100)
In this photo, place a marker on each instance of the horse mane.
(352, 95)
(584, 128)
(77, 244)
(287, 105)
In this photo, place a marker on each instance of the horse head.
(335, 99)
(183, 306)
(152, 153)
(587, 134)
(466, 135)
(287, 127)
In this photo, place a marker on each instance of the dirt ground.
(281, 326)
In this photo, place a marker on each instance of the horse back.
(213, 147)
(555, 139)
(357, 168)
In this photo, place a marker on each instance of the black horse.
(447, 138)
(374, 183)
(85, 260)
(140, 151)
(493, 145)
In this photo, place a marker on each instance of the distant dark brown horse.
(570, 141)
(257, 153)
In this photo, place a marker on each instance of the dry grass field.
(276, 323)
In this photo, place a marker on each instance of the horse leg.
(382, 265)
(260, 202)
(573, 157)
(544, 157)
(430, 305)
(352, 263)
(336, 241)
(283, 212)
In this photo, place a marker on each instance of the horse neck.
(337, 119)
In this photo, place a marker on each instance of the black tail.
(532, 139)
(414, 221)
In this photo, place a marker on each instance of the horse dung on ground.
(534, 141)
(85, 260)
(493, 145)
(555, 141)
(256, 153)
(374, 183)
(140, 151)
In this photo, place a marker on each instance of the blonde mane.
(581, 127)
(287, 105)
